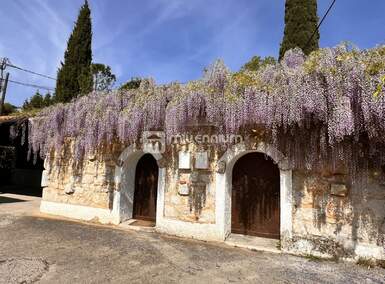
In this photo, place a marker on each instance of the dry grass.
(370, 263)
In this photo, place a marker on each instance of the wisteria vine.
(328, 106)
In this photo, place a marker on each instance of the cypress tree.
(74, 76)
(301, 21)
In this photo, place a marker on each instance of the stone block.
(174, 200)
(183, 184)
(316, 186)
(338, 189)
(221, 167)
(45, 178)
(69, 189)
(183, 189)
(207, 216)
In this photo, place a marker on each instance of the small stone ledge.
(331, 249)
(79, 212)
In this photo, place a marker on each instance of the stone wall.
(89, 184)
(334, 218)
(190, 190)
(331, 217)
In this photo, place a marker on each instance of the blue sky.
(169, 40)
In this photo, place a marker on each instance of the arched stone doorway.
(146, 186)
(125, 180)
(223, 181)
(255, 200)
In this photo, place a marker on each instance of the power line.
(320, 23)
(29, 71)
(32, 85)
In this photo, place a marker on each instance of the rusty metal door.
(146, 185)
(255, 197)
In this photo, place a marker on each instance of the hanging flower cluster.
(90, 121)
(315, 108)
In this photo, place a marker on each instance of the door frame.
(125, 169)
(224, 187)
(135, 198)
(250, 165)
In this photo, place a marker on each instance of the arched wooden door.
(146, 186)
(255, 197)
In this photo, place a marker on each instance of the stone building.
(309, 128)
(192, 189)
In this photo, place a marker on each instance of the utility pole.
(3, 92)
(3, 83)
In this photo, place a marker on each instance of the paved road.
(36, 249)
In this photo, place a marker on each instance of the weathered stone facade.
(190, 191)
(90, 184)
(335, 218)
(322, 213)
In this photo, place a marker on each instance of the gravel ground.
(34, 249)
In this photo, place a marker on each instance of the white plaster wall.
(199, 231)
(124, 195)
(160, 196)
(286, 198)
(123, 200)
(79, 212)
(370, 251)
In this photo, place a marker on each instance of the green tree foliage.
(134, 83)
(37, 101)
(48, 100)
(257, 62)
(103, 78)
(74, 76)
(9, 109)
(85, 81)
(301, 21)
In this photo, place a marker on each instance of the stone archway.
(224, 187)
(255, 206)
(146, 187)
(123, 200)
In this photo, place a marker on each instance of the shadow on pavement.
(4, 199)
(22, 190)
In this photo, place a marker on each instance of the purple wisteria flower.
(315, 108)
